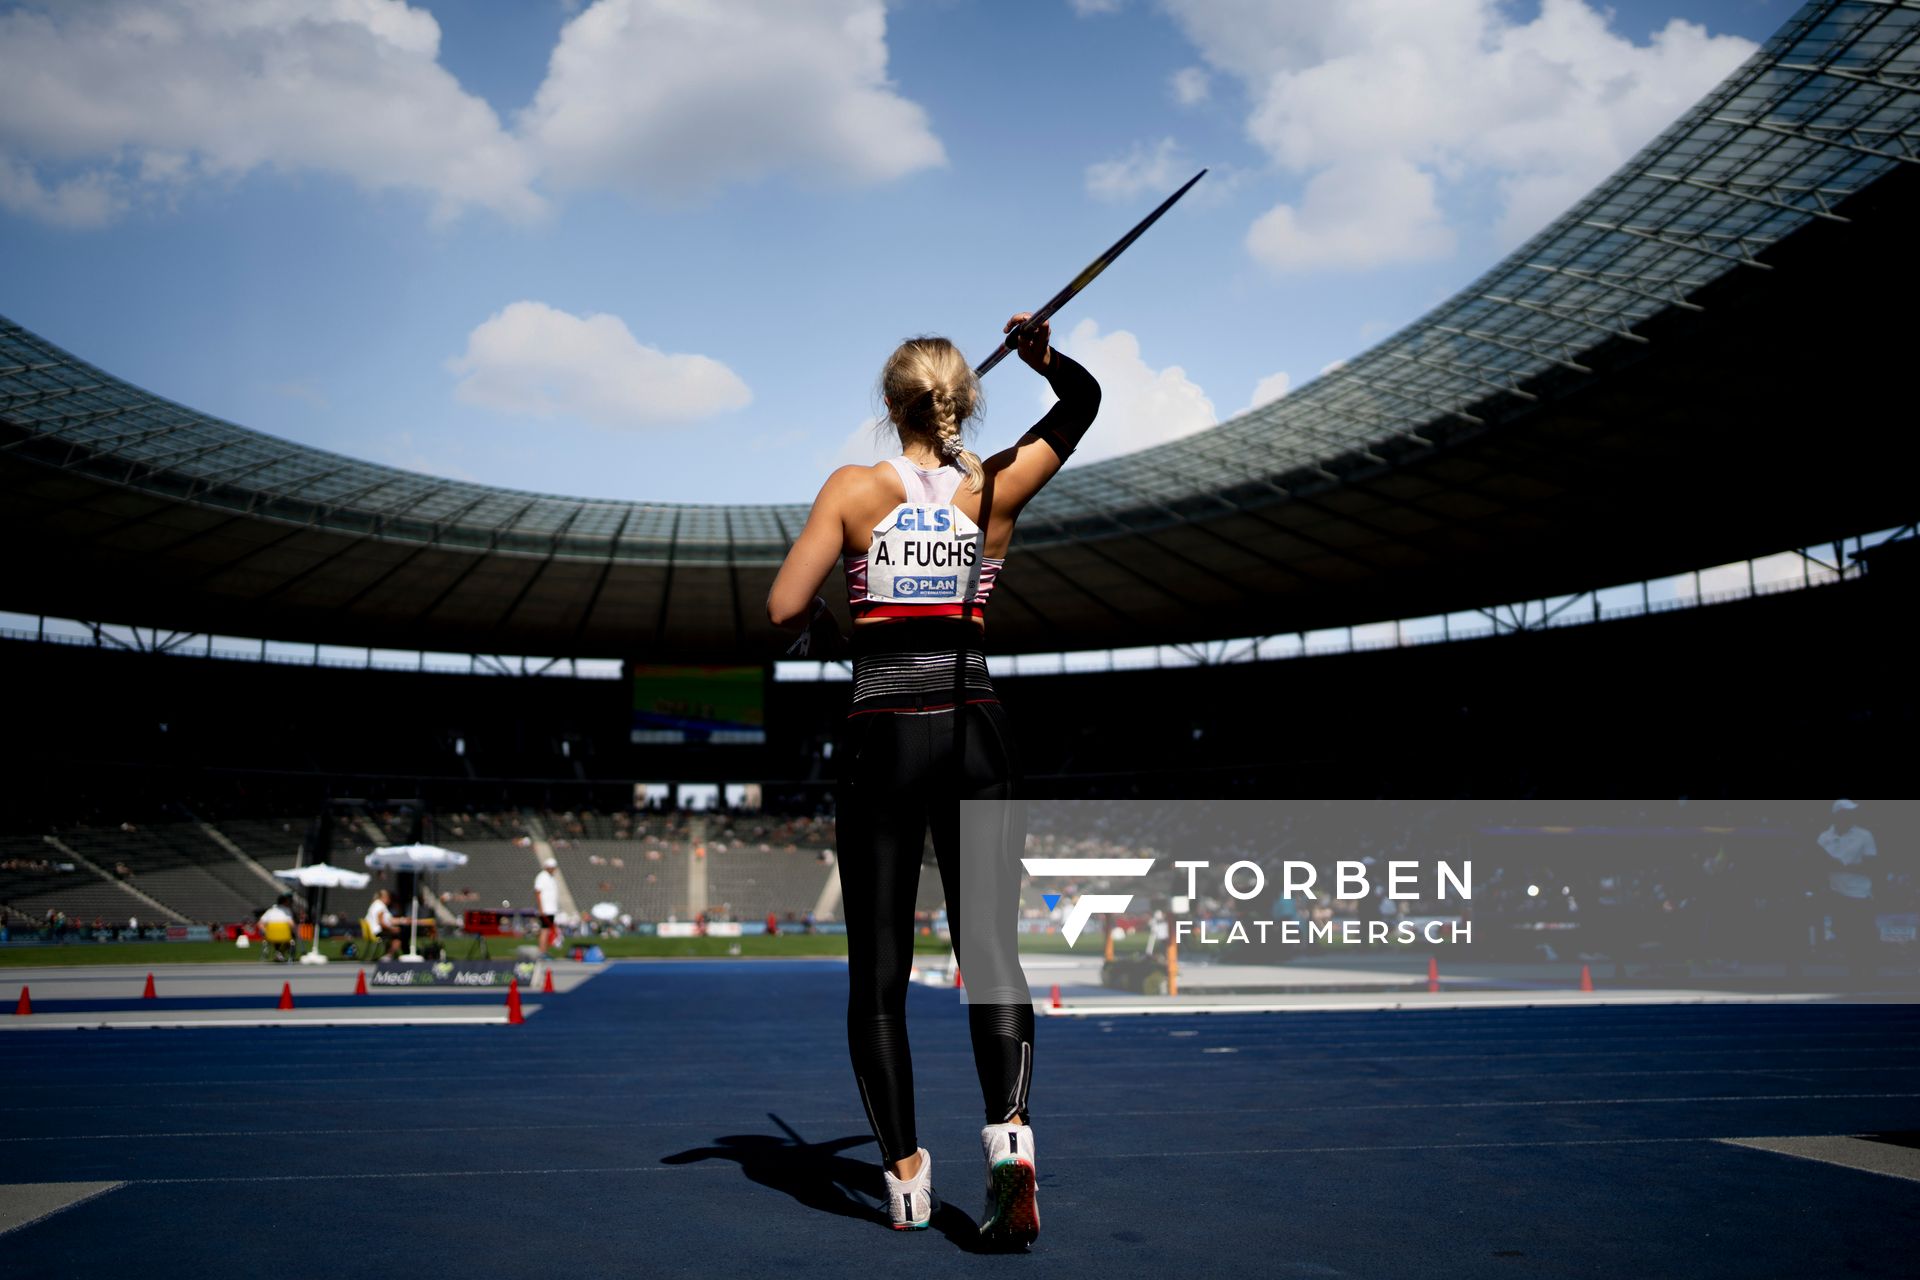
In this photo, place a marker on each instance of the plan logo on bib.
(1087, 904)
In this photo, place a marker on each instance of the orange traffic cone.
(1056, 995)
(514, 1016)
(25, 1006)
(546, 988)
(1586, 978)
(148, 994)
(286, 995)
(360, 984)
(1433, 973)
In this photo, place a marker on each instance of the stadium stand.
(751, 882)
(178, 864)
(36, 878)
(637, 861)
(272, 842)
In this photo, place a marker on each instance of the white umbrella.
(417, 858)
(607, 911)
(322, 876)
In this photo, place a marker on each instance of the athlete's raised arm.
(1020, 472)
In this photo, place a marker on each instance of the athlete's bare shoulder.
(860, 486)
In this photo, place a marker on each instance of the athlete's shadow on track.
(821, 1178)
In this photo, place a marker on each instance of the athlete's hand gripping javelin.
(1034, 342)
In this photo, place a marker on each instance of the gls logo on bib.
(924, 553)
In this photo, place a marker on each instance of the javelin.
(1082, 280)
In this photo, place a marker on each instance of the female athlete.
(922, 537)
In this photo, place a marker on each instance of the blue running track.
(700, 1119)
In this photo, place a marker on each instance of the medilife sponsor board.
(452, 973)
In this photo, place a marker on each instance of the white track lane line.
(1107, 1112)
(725, 1166)
(1422, 1001)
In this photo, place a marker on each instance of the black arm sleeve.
(1079, 396)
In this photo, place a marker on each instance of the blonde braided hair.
(931, 394)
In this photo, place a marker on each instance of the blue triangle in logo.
(1051, 899)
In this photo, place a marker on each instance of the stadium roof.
(1683, 369)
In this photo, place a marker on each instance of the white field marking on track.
(1222, 1027)
(1309, 1072)
(1500, 1104)
(1147, 1043)
(53, 1022)
(1152, 1050)
(1412, 1146)
(1412, 1003)
(722, 1166)
(1366, 1082)
(619, 1125)
(1290, 1039)
(433, 1173)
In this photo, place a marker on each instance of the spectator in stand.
(773, 924)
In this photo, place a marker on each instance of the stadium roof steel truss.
(1341, 481)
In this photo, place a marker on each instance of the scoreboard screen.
(718, 705)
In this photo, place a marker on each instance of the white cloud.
(1139, 405)
(1087, 8)
(1143, 169)
(1355, 214)
(104, 105)
(84, 202)
(672, 100)
(532, 359)
(1190, 85)
(1268, 389)
(1454, 91)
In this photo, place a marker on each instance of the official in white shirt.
(382, 923)
(1850, 881)
(546, 894)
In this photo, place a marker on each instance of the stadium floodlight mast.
(1082, 280)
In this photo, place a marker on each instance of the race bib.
(924, 553)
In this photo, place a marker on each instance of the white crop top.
(926, 558)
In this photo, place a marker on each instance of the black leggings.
(903, 774)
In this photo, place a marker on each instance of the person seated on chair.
(383, 924)
(276, 929)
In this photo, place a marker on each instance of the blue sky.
(657, 250)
